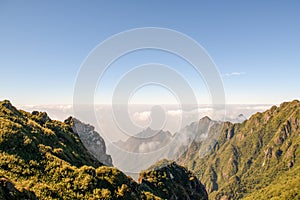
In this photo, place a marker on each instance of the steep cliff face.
(251, 159)
(91, 140)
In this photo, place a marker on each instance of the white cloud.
(234, 74)
(146, 147)
(257, 107)
(141, 116)
(45, 107)
(57, 112)
(174, 113)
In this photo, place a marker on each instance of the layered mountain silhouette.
(150, 146)
(146, 141)
(41, 158)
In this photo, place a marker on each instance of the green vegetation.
(9, 191)
(168, 180)
(42, 158)
(47, 157)
(258, 159)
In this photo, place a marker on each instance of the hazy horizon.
(141, 115)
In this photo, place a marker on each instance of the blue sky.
(255, 44)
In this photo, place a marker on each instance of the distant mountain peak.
(150, 133)
(241, 115)
(206, 118)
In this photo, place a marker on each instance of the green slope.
(258, 159)
(42, 158)
(168, 180)
(46, 157)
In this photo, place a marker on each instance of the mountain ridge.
(42, 158)
(261, 150)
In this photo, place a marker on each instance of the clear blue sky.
(255, 44)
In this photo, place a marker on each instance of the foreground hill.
(257, 159)
(42, 158)
(168, 180)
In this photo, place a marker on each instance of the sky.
(254, 44)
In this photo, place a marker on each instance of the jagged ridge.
(251, 159)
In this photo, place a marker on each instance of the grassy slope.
(262, 154)
(46, 157)
(42, 158)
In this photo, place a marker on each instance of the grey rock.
(91, 139)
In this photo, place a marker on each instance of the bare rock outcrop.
(91, 139)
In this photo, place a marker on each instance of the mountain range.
(42, 158)
(256, 158)
(250, 159)
(150, 145)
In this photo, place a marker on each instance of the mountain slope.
(171, 181)
(252, 159)
(48, 157)
(42, 158)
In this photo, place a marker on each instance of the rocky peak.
(205, 119)
(91, 139)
